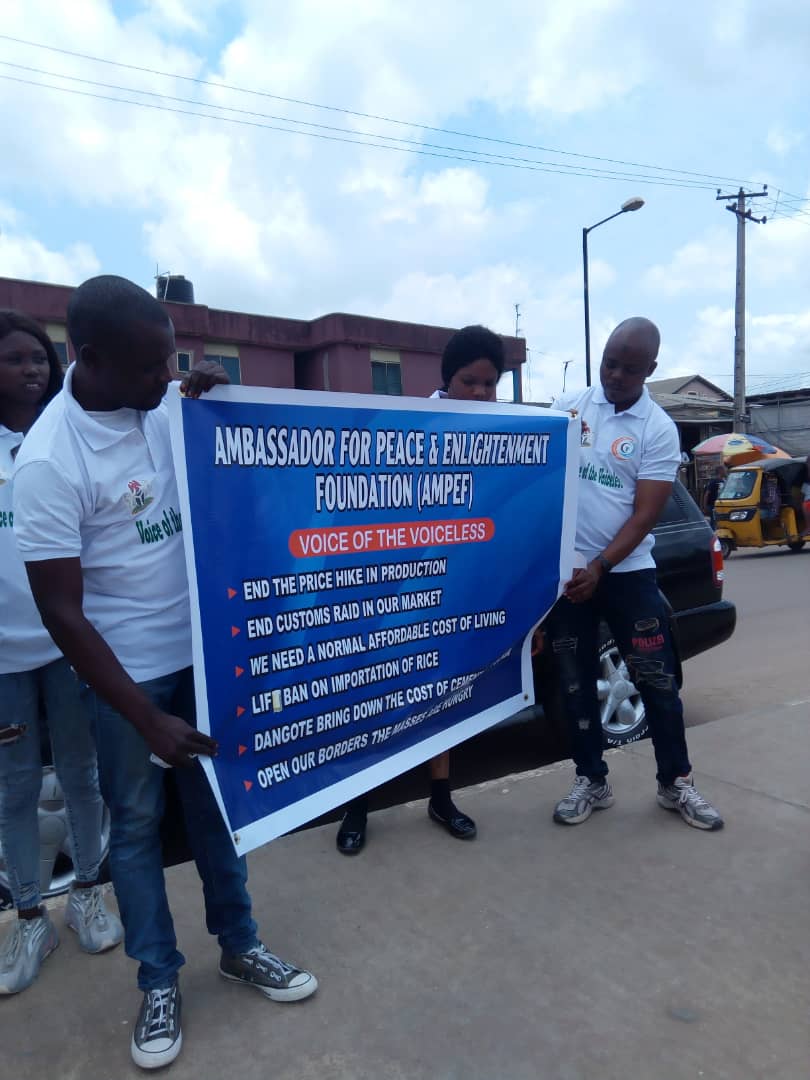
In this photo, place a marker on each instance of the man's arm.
(651, 497)
(58, 591)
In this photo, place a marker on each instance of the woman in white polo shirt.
(32, 669)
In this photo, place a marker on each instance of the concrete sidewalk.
(630, 948)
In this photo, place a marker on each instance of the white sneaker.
(585, 796)
(86, 913)
(683, 796)
(28, 944)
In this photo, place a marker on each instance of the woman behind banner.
(472, 363)
(40, 699)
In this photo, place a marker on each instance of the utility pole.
(517, 387)
(736, 204)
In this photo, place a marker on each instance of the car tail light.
(717, 563)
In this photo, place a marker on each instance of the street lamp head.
(635, 203)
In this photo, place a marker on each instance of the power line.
(456, 155)
(484, 156)
(370, 116)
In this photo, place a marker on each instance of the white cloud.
(776, 343)
(267, 221)
(24, 256)
(698, 266)
(783, 140)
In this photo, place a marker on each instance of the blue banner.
(365, 576)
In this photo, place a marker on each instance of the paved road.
(766, 663)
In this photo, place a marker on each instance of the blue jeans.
(634, 610)
(74, 757)
(133, 790)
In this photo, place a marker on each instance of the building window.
(386, 372)
(185, 360)
(228, 356)
(58, 335)
(62, 353)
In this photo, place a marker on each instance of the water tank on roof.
(175, 288)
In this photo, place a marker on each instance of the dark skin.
(24, 373)
(135, 377)
(628, 359)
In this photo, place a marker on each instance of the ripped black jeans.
(633, 609)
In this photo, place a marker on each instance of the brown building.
(350, 353)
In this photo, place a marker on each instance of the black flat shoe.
(458, 825)
(351, 840)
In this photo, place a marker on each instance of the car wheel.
(726, 548)
(56, 869)
(621, 709)
(797, 545)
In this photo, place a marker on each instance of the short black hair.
(10, 321)
(104, 308)
(467, 345)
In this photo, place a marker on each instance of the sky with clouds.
(213, 175)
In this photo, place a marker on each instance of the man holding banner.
(629, 459)
(98, 524)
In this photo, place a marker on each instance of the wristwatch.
(606, 565)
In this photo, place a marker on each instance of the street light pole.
(635, 203)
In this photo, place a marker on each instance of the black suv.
(690, 575)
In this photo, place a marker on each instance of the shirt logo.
(586, 438)
(138, 496)
(623, 448)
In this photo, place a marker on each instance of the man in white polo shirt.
(629, 459)
(97, 519)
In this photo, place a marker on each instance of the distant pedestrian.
(631, 449)
(711, 492)
(770, 505)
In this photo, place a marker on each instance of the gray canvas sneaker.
(28, 944)
(585, 796)
(275, 978)
(683, 796)
(158, 1038)
(86, 913)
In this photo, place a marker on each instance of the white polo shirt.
(618, 449)
(25, 644)
(101, 487)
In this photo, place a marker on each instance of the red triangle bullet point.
(248, 784)
(239, 671)
(231, 593)
(242, 750)
(235, 630)
(239, 710)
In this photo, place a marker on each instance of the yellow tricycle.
(760, 505)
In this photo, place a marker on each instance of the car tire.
(797, 545)
(621, 709)
(726, 548)
(56, 862)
